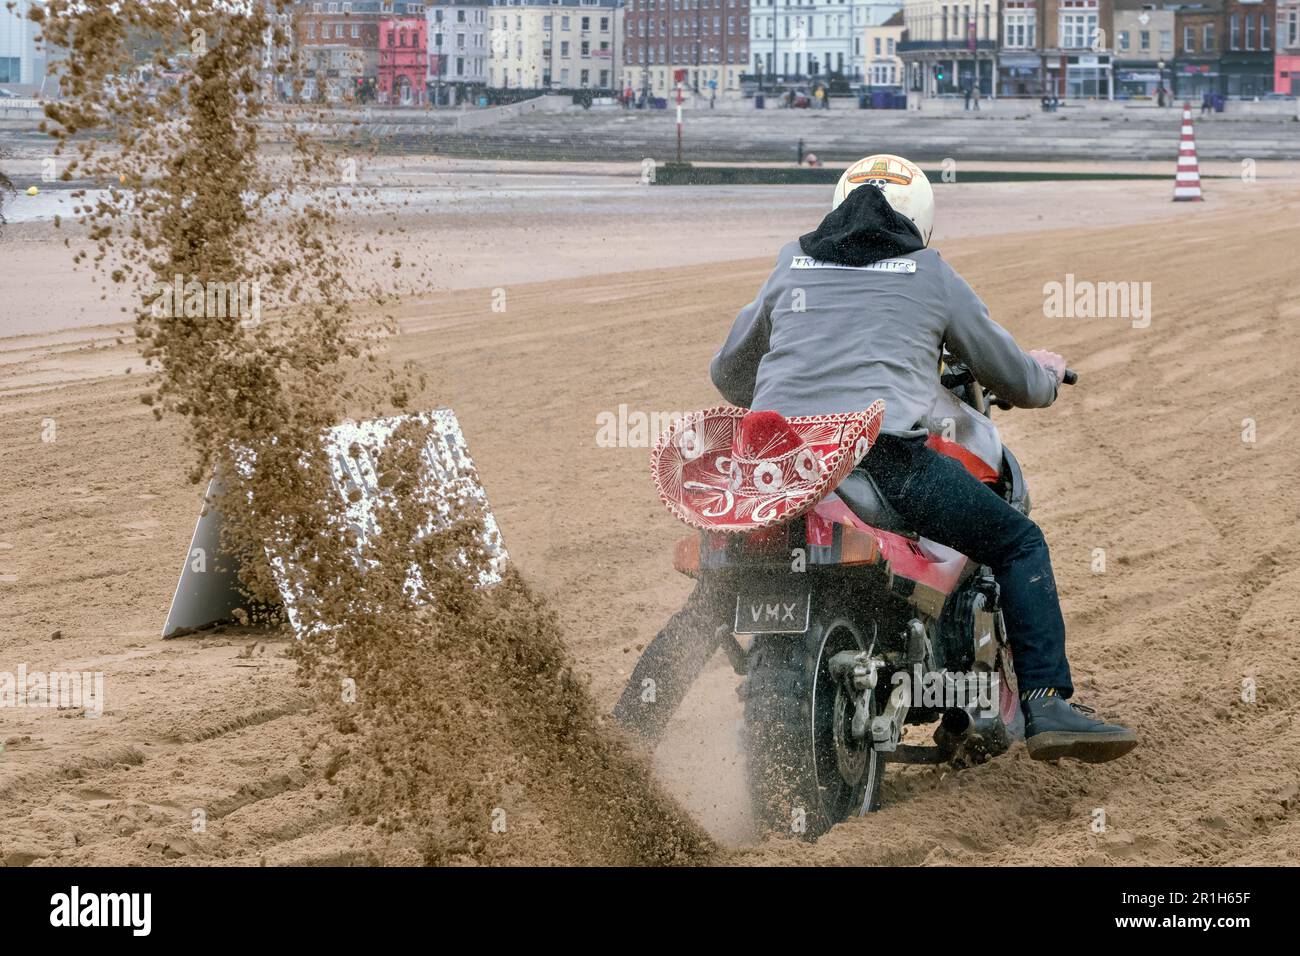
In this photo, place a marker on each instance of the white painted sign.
(207, 592)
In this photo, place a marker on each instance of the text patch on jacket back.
(905, 266)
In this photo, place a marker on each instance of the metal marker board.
(207, 592)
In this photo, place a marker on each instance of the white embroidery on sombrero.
(690, 445)
(767, 476)
(808, 465)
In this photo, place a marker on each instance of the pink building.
(1286, 62)
(403, 60)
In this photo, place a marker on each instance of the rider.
(860, 309)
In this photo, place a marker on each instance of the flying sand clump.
(469, 738)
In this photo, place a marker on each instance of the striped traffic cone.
(1187, 181)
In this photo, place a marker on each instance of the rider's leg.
(941, 500)
(671, 663)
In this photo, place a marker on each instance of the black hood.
(861, 230)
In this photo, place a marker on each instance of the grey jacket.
(823, 338)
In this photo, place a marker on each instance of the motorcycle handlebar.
(965, 377)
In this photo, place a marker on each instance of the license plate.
(772, 613)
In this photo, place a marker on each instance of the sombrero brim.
(692, 469)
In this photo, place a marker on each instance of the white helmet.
(905, 187)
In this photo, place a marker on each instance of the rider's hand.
(1051, 361)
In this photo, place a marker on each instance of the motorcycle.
(849, 627)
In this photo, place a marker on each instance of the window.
(1234, 32)
(1019, 29)
(1250, 32)
(1166, 41)
(1078, 26)
(1144, 40)
(1189, 39)
(1265, 34)
(1122, 40)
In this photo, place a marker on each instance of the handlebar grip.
(1071, 376)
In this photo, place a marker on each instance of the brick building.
(1246, 64)
(706, 39)
(338, 42)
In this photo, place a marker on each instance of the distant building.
(403, 61)
(277, 68)
(706, 41)
(797, 41)
(1286, 60)
(22, 58)
(1246, 63)
(558, 44)
(1198, 38)
(882, 66)
(458, 49)
(1078, 48)
(1020, 62)
(1144, 48)
(953, 47)
(339, 45)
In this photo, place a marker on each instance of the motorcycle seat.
(864, 499)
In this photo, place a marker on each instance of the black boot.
(1056, 728)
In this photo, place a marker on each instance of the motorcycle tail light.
(858, 547)
(767, 543)
(686, 555)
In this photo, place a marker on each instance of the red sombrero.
(730, 469)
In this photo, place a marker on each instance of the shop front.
(1193, 80)
(1286, 77)
(1088, 77)
(1137, 80)
(1247, 74)
(1020, 74)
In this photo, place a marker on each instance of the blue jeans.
(941, 500)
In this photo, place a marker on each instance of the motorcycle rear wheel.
(801, 781)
